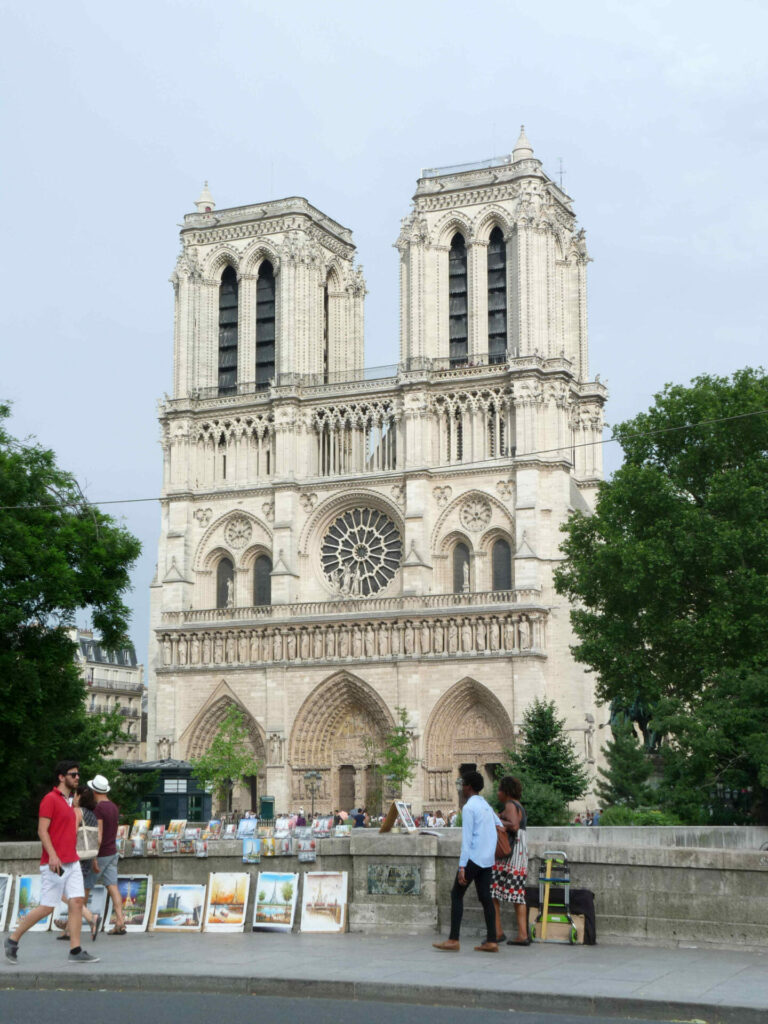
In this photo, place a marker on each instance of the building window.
(265, 325)
(262, 580)
(326, 332)
(460, 569)
(225, 584)
(228, 332)
(501, 565)
(457, 298)
(497, 297)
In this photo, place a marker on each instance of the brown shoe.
(487, 947)
(449, 946)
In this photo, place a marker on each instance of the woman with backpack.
(509, 875)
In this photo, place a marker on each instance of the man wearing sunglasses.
(60, 874)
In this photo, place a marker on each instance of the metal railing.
(111, 684)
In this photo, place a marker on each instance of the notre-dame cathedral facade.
(336, 543)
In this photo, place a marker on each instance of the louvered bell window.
(497, 297)
(265, 325)
(228, 332)
(457, 299)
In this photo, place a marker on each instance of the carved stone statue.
(494, 634)
(242, 648)
(304, 645)
(383, 640)
(206, 649)
(357, 643)
(465, 577)
(509, 635)
(330, 643)
(425, 638)
(167, 651)
(230, 593)
(182, 650)
(317, 644)
(275, 748)
(277, 645)
(163, 749)
(218, 649)
(466, 636)
(195, 652)
(255, 647)
(525, 635)
(369, 642)
(453, 637)
(408, 638)
(395, 640)
(291, 645)
(480, 634)
(230, 649)
(438, 640)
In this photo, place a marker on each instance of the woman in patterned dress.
(509, 874)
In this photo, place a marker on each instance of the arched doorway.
(469, 728)
(338, 731)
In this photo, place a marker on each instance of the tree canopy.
(229, 760)
(669, 579)
(58, 555)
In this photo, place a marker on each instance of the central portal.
(346, 787)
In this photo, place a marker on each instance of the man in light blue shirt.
(478, 852)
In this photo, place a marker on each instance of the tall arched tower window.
(262, 580)
(265, 325)
(228, 332)
(326, 333)
(497, 297)
(460, 569)
(457, 298)
(501, 565)
(225, 584)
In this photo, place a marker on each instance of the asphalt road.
(171, 1008)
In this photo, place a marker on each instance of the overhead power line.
(467, 465)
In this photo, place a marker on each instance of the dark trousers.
(482, 879)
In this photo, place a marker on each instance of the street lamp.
(312, 781)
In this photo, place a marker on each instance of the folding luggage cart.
(554, 869)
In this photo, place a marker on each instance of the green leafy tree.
(229, 760)
(624, 780)
(547, 764)
(669, 579)
(58, 555)
(396, 765)
(287, 891)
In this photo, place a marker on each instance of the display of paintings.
(201, 847)
(282, 826)
(246, 827)
(342, 831)
(186, 846)
(5, 898)
(153, 846)
(213, 829)
(176, 827)
(267, 846)
(322, 826)
(140, 828)
(324, 901)
(405, 815)
(266, 831)
(306, 850)
(136, 894)
(158, 831)
(252, 850)
(25, 899)
(227, 901)
(139, 846)
(170, 845)
(283, 846)
(96, 903)
(120, 845)
(122, 831)
(192, 833)
(230, 832)
(275, 904)
(178, 908)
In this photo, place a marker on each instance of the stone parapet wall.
(664, 893)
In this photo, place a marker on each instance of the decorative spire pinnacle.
(204, 202)
(523, 149)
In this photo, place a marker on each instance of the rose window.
(238, 531)
(475, 513)
(361, 552)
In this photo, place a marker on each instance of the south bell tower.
(493, 266)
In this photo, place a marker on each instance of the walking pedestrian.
(60, 874)
(103, 869)
(478, 852)
(509, 874)
(84, 805)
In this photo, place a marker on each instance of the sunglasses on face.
(75, 775)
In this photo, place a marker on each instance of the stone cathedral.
(338, 543)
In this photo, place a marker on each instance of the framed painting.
(246, 827)
(5, 898)
(324, 901)
(176, 828)
(252, 850)
(178, 908)
(140, 828)
(25, 899)
(136, 894)
(97, 904)
(227, 901)
(275, 905)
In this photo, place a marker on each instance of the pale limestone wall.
(471, 455)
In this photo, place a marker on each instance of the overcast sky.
(114, 114)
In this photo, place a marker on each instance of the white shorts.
(54, 887)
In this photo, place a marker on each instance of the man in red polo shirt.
(60, 874)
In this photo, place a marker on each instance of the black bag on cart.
(582, 902)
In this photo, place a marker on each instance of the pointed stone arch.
(199, 734)
(329, 735)
(468, 725)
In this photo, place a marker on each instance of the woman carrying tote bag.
(88, 837)
(509, 874)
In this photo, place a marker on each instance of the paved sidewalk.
(716, 986)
